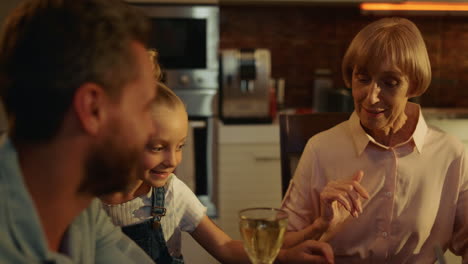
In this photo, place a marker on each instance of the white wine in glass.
(262, 231)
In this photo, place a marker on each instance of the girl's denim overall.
(149, 234)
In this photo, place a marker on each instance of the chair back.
(295, 131)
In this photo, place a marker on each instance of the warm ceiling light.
(415, 6)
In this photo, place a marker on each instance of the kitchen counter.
(455, 120)
(232, 134)
(445, 113)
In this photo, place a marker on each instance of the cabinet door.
(249, 176)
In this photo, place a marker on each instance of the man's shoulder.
(91, 214)
(10, 173)
(91, 222)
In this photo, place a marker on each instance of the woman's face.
(164, 150)
(380, 97)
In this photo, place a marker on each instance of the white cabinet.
(249, 172)
(248, 176)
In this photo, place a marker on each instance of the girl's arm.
(312, 232)
(218, 243)
(227, 250)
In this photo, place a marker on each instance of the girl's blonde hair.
(156, 68)
(396, 40)
(167, 97)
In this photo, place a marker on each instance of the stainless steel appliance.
(245, 85)
(328, 98)
(186, 37)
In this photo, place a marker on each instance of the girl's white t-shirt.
(183, 212)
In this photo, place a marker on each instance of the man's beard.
(110, 167)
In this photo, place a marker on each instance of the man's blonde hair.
(396, 40)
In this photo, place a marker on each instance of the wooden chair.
(295, 131)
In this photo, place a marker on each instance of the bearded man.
(77, 85)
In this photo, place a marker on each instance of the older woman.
(383, 186)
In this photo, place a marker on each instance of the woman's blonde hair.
(396, 40)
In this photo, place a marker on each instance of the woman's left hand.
(342, 198)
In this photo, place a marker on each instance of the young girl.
(158, 206)
(158, 230)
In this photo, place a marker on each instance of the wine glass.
(262, 230)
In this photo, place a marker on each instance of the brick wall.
(304, 38)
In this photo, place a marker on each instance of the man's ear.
(89, 104)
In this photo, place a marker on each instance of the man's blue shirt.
(91, 238)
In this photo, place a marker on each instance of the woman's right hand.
(340, 199)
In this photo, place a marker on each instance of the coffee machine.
(245, 86)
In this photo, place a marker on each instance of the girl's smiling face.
(164, 150)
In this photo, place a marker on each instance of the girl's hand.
(342, 198)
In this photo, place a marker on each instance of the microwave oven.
(186, 38)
